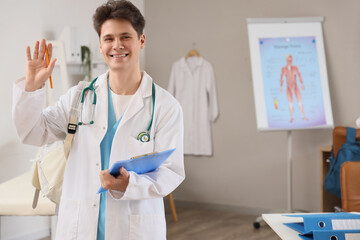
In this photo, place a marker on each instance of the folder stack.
(329, 226)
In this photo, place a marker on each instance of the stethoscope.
(142, 136)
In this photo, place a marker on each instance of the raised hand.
(37, 72)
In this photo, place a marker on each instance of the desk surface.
(276, 222)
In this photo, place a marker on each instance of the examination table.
(16, 199)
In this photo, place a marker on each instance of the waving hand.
(37, 72)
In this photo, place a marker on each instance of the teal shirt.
(105, 149)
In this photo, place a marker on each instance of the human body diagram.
(291, 71)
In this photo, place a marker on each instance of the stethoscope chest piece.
(143, 137)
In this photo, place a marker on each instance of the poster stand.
(282, 36)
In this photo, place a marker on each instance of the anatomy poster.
(291, 87)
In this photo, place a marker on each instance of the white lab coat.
(192, 82)
(139, 212)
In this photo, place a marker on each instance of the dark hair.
(121, 9)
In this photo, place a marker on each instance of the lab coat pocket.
(67, 227)
(136, 147)
(145, 227)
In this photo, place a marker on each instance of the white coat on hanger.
(192, 82)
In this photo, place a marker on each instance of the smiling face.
(120, 45)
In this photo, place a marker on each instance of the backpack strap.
(71, 130)
(74, 116)
(350, 135)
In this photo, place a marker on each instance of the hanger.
(192, 52)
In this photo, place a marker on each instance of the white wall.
(22, 23)
(248, 168)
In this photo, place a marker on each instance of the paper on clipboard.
(140, 164)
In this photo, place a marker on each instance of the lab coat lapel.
(101, 111)
(137, 102)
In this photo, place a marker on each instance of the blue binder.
(332, 235)
(329, 226)
(141, 164)
(314, 222)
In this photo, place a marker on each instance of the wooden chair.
(349, 174)
(172, 207)
(350, 186)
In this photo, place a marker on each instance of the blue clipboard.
(140, 164)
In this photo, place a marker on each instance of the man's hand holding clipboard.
(140, 164)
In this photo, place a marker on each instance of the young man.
(133, 206)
